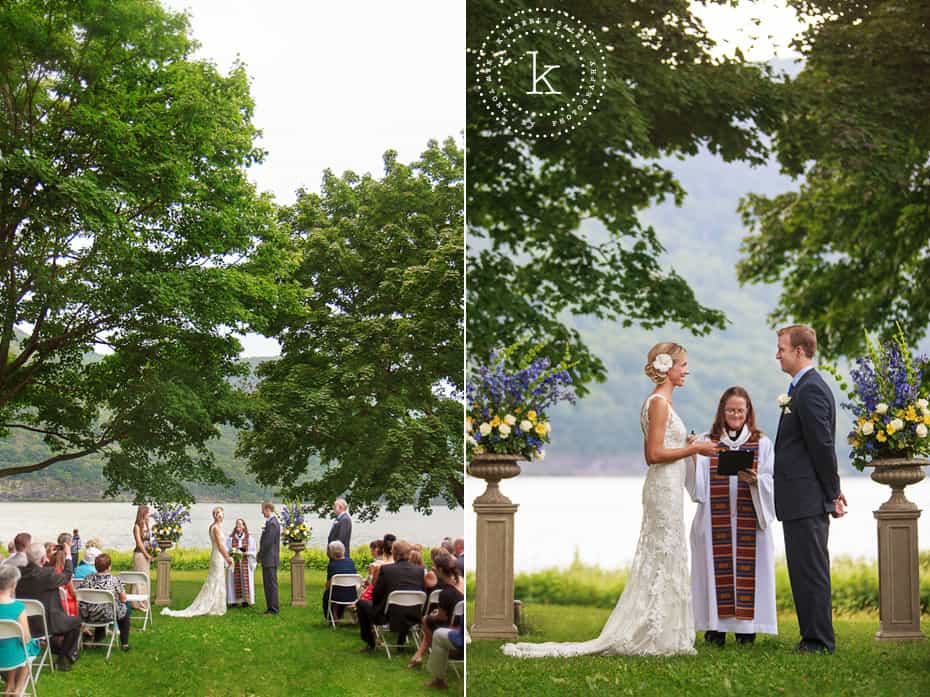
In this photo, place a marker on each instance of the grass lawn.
(242, 654)
(860, 666)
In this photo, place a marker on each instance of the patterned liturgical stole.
(736, 588)
(241, 569)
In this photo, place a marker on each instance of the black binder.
(730, 462)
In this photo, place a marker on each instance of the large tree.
(126, 222)
(370, 375)
(530, 261)
(851, 244)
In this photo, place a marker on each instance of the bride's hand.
(706, 448)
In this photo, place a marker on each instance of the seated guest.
(87, 566)
(40, 582)
(452, 590)
(104, 580)
(447, 643)
(338, 564)
(18, 556)
(387, 557)
(11, 650)
(430, 580)
(376, 547)
(57, 562)
(399, 576)
(446, 544)
(458, 551)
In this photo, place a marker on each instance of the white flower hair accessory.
(663, 363)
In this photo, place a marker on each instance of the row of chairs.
(10, 629)
(396, 599)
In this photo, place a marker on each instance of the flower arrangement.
(236, 554)
(168, 521)
(507, 405)
(889, 403)
(151, 544)
(294, 530)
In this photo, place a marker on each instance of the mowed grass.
(770, 667)
(241, 654)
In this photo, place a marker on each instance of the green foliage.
(370, 374)
(126, 220)
(849, 243)
(854, 585)
(531, 262)
(861, 666)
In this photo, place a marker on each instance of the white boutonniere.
(784, 403)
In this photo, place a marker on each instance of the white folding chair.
(10, 629)
(35, 608)
(458, 620)
(433, 599)
(139, 580)
(96, 596)
(342, 581)
(398, 599)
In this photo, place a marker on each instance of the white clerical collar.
(732, 443)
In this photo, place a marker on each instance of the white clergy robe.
(251, 562)
(703, 584)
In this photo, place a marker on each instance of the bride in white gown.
(653, 615)
(211, 600)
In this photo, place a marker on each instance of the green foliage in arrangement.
(370, 376)
(854, 585)
(242, 654)
(127, 221)
(530, 261)
(848, 244)
(861, 666)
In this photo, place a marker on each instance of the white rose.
(925, 412)
(923, 403)
(548, 427)
(472, 441)
(485, 429)
(663, 363)
(504, 430)
(783, 400)
(881, 409)
(921, 431)
(867, 429)
(898, 424)
(540, 454)
(526, 425)
(510, 419)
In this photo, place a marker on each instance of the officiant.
(732, 548)
(240, 576)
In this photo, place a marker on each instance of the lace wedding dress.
(653, 615)
(211, 600)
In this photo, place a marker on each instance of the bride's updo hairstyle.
(676, 351)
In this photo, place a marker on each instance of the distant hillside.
(82, 480)
(601, 434)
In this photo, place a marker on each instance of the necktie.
(790, 389)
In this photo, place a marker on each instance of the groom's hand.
(839, 506)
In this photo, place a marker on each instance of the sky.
(335, 84)
(733, 27)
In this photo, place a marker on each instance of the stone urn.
(298, 592)
(494, 548)
(898, 561)
(163, 565)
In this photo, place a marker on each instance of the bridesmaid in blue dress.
(11, 650)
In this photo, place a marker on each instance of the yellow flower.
(911, 413)
(890, 429)
(540, 429)
(495, 422)
(531, 415)
(880, 437)
(927, 420)
(518, 410)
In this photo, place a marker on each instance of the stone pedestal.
(298, 592)
(494, 549)
(163, 588)
(898, 562)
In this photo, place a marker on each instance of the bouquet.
(236, 554)
(889, 403)
(507, 405)
(294, 530)
(168, 521)
(151, 544)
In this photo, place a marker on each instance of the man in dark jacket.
(342, 527)
(269, 555)
(40, 582)
(807, 485)
(399, 576)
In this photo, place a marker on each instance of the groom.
(807, 485)
(268, 556)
